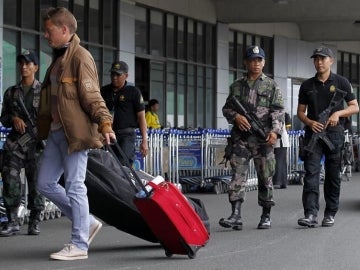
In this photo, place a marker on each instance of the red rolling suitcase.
(170, 216)
(172, 219)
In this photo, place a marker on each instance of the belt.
(125, 130)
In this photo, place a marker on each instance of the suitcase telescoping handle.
(127, 164)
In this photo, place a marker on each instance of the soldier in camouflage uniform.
(261, 95)
(21, 147)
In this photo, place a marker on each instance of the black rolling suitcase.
(111, 195)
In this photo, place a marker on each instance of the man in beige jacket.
(72, 117)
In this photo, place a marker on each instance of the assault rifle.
(256, 126)
(323, 118)
(31, 126)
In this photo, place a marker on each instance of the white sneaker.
(94, 229)
(69, 253)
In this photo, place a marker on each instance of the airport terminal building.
(183, 53)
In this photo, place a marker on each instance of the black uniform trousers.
(312, 165)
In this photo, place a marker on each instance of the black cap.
(254, 52)
(28, 56)
(322, 51)
(119, 67)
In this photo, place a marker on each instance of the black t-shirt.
(124, 104)
(323, 92)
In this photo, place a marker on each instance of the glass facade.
(180, 51)
(23, 30)
(175, 56)
(348, 65)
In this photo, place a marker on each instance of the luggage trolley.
(187, 159)
(140, 162)
(217, 174)
(356, 152)
(347, 157)
(153, 162)
(295, 170)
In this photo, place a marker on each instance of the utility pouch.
(24, 139)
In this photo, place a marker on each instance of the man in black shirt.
(126, 104)
(314, 97)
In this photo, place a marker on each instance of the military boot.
(265, 221)
(234, 221)
(33, 227)
(12, 226)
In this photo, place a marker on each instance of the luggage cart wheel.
(41, 217)
(218, 188)
(21, 221)
(168, 253)
(58, 213)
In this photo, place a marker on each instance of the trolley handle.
(127, 164)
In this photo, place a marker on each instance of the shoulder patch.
(87, 84)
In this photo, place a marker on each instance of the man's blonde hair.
(61, 16)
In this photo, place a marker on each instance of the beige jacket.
(82, 110)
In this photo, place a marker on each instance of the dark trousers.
(312, 164)
(17, 157)
(126, 141)
(280, 176)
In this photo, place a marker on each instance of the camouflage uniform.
(21, 151)
(266, 101)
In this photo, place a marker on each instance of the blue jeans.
(72, 200)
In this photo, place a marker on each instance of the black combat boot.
(265, 221)
(12, 226)
(33, 227)
(234, 221)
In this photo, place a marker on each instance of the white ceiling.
(318, 20)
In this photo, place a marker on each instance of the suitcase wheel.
(168, 253)
(191, 254)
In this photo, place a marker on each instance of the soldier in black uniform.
(21, 147)
(314, 97)
(126, 104)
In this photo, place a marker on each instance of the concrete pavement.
(285, 246)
